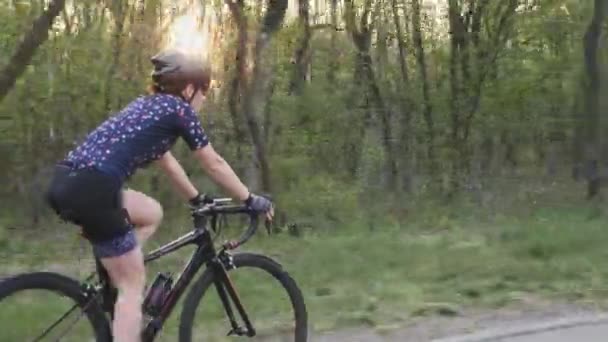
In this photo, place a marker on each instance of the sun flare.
(186, 35)
(192, 33)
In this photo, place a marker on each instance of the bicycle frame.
(217, 263)
(205, 253)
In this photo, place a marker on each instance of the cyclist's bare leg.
(127, 273)
(144, 212)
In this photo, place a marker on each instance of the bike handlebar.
(215, 206)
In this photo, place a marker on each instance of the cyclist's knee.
(153, 213)
(144, 211)
(156, 213)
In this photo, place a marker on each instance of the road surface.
(584, 333)
(562, 324)
(592, 328)
(581, 334)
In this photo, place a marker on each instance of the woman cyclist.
(87, 187)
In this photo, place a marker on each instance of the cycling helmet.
(174, 70)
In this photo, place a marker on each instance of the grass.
(440, 261)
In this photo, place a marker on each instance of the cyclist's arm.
(190, 129)
(222, 174)
(177, 175)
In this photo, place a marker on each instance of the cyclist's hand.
(261, 204)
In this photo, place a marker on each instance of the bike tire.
(63, 286)
(242, 260)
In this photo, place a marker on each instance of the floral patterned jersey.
(139, 134)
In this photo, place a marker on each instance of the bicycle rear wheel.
(46, 306)
(271, 298)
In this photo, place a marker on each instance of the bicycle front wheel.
(271, 298)
(47, 306)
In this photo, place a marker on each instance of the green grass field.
(439, 262)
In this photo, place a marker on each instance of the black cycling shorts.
(93, 200)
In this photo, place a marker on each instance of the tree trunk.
(28, 46)
(301, 58)
(400, 43)
(268, 114)
(333, 61)
(362, 38)
(406, 132)
(454, 17)
(592, 97)
(239, 81)
(470, 60)
(381, 50)
(118, 10)
(356, 126)
(485, 56)
(385, 114)
(428, 106)
(254, 98)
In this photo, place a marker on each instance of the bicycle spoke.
(57, 322)
(264, 300)
(69, 327)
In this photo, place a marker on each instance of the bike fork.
(225, 288)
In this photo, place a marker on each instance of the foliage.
(432, 264)
(328, 145)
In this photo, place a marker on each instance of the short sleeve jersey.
(137, 135)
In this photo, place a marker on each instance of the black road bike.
(92, 300)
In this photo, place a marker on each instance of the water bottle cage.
(157, 294)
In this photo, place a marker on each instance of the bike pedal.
(240, 331)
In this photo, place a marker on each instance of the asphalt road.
(586, 328)
(583, 329)
(595, 333)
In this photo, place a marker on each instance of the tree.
(428, 106)
(591, 106)
(472, 55)
(28, 46)
(361, 35)
(301, 57)
(257, 87)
